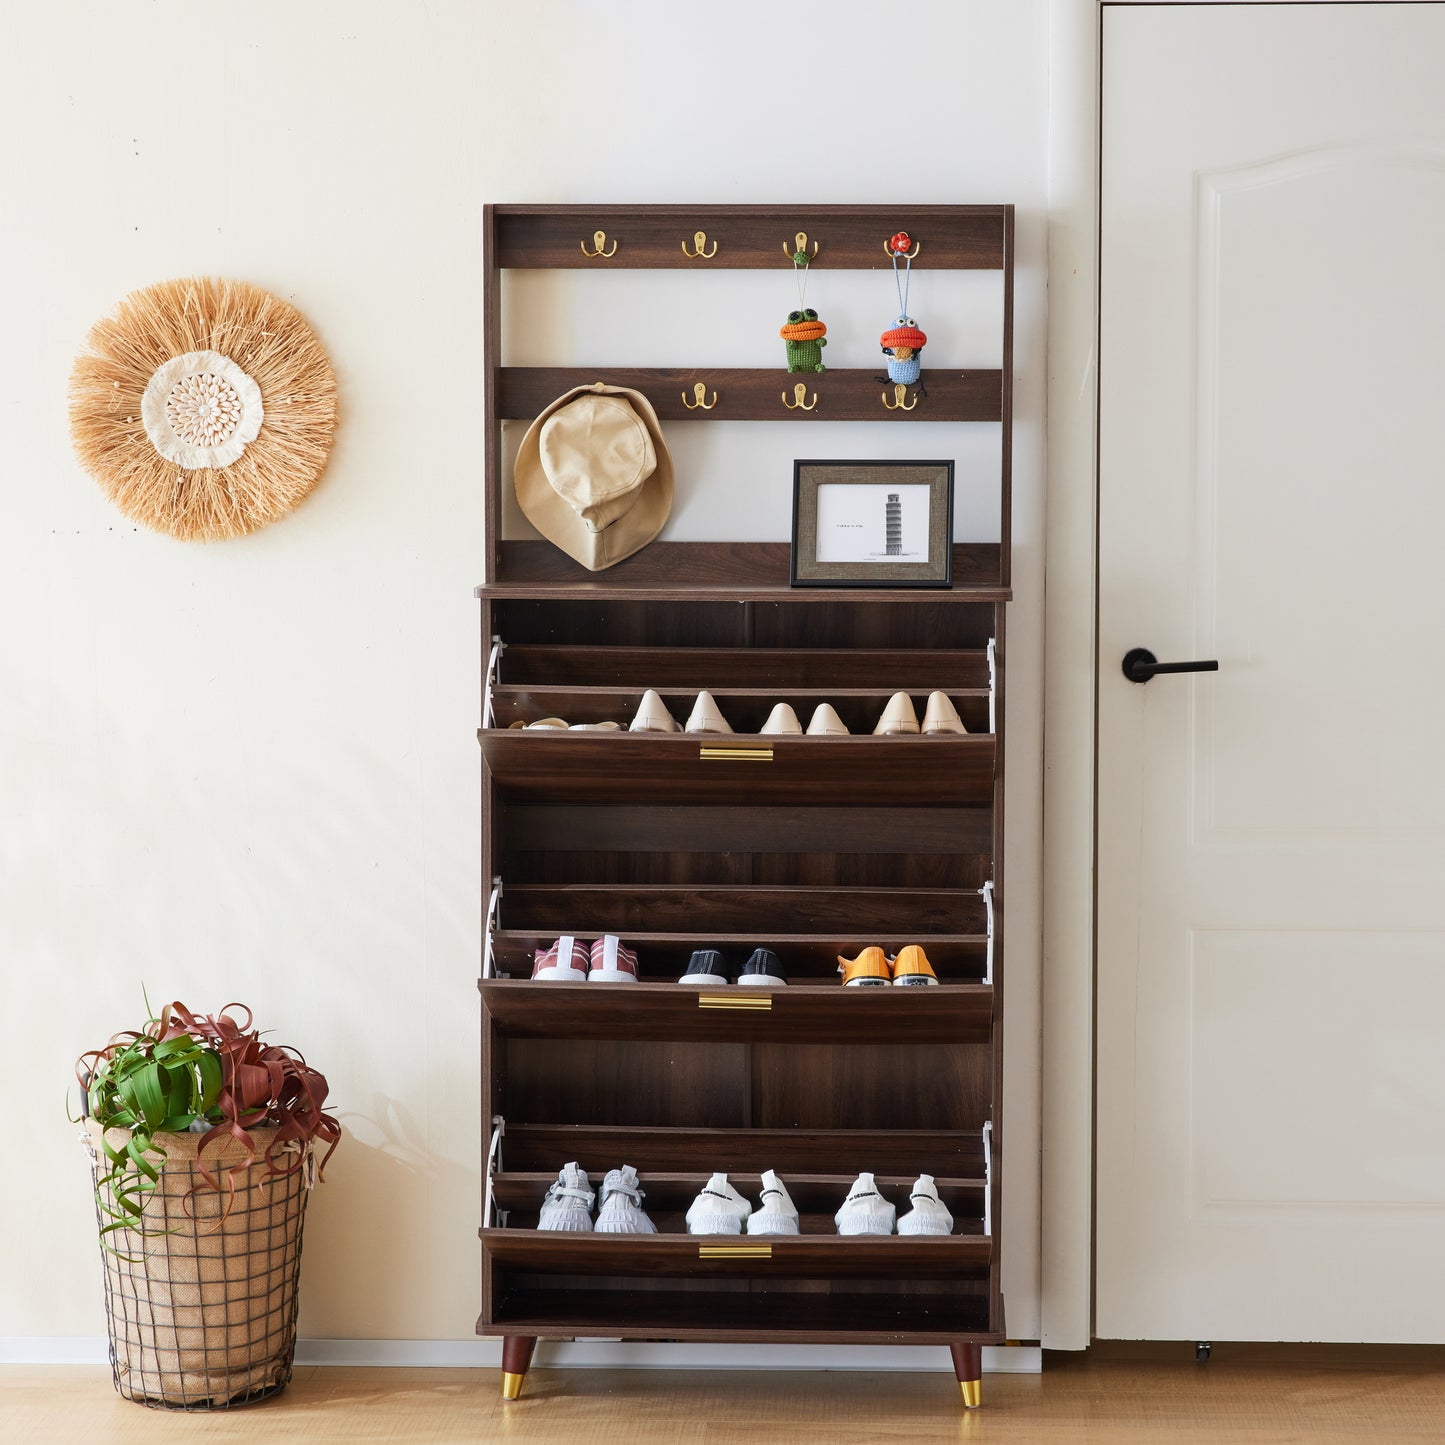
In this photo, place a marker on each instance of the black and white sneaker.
(763, 969)
(718, 1209)
(929, 1214)
(708, 966)
(776, 1213)
(865, 1210)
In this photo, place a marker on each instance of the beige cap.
(593, 474)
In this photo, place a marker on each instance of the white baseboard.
(573, 1355)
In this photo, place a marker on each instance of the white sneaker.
(718, 1209)
(776, 1213)
(929, 1214)
(621, 1209)
(568, 1204)
(865, 1210)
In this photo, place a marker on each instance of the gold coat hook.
(699, 391)
(699, 247)
(800, 391)
(800, 244)
(599, 245)
(903, 255)
(900, 392)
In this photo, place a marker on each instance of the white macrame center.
(201, 410)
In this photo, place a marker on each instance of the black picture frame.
(830, 561)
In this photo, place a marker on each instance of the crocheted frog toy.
(804, 337)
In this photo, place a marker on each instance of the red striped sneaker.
(565, 962)
(611, 963)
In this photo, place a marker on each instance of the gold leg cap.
(972, 1393)
(511, 1385)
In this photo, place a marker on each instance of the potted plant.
(203, 1142)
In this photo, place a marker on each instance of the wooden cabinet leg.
(968, 1366)
(516, 1357)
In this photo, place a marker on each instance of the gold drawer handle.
(735, 1251)
(743, 999)
(735, 755)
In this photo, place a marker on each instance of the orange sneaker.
(868, 970)
(912, 968)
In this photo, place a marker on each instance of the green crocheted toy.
(803, 336)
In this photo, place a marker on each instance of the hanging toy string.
(901, 286)
(903, 342)
(804, 335)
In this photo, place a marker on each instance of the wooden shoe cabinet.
(813, 846)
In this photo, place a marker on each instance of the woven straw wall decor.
(204, 408)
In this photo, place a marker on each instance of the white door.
(1271, 977)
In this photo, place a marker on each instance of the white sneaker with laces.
(865, 1210)
(718, 1209)
(929, 1214)
(621, 1209)
(776, 1213)
(568, 1204)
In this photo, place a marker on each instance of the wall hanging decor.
(903, 342)
(204, 408)
(803, 334)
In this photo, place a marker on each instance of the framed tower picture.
(872, 524)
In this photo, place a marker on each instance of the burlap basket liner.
(205, 1316)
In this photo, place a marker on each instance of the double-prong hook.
(799, 249)
(699, 247)
(599, 245)
(899, 402)
(800, 392)
(905, 254)
(699, 391)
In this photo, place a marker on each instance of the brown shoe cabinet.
(811, 846)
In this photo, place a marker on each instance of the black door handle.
(1140, 665)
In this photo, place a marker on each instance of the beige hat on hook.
(593, 474)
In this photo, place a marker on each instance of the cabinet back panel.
(656, 1085)
(849, 625)
(522, 828)
(870, 1086)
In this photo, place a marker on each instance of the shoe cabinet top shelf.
(719, 572)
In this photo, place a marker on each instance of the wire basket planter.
(203, 1316)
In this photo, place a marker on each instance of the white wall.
(248, 770)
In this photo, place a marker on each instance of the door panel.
(1272, 836)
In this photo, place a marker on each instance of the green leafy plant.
(185, 1068)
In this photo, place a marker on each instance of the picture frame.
(881, 523)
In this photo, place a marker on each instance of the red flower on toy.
(900, 242)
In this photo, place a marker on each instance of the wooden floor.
(1156, 1395)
